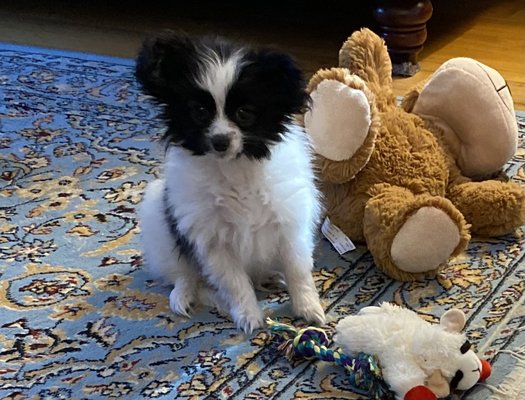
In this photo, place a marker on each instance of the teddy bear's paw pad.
(473, 101)
(425, 241)
(338, 121)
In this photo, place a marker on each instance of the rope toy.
(312, 343)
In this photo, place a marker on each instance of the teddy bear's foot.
(425, 241)
(412, 236)
(481, 133)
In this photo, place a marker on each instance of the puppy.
(237, 203)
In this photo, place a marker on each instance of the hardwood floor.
(491, 31)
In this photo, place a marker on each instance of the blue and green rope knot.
(312, 343)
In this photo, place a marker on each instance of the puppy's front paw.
(182, 300)
(308, 306)
(249, 320)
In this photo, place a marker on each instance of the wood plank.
(492, 32)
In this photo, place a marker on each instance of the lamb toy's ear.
(453, 320)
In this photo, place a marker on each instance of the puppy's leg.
(235, 288)
(298, 265)
(163, 258)
(183, 296)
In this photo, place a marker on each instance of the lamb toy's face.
(471, 370)
(464, 368)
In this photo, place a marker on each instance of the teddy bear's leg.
(411, 236)
(492, 208)
(469, 105)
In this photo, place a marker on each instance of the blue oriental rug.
(80, 319)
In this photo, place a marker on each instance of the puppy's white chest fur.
(244, 216)
(241, 220)
(243, 206)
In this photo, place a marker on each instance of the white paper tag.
(339, 240)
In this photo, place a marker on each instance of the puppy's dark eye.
(200, 114)
(245, 116)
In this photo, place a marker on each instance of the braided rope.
(312, 343)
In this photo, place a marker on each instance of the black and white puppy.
(237, 202)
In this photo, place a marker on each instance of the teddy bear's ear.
(453, 320)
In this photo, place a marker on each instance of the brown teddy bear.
(411, 181)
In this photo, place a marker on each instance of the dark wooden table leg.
(402, 23)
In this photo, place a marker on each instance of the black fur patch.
(269, 83)
(186, 248)
(274, 87)
(166, 67)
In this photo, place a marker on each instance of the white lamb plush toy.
(419, 360)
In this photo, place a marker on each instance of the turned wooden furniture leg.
(402, 24)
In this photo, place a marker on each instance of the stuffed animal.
(411, 181)
(419, 360)
(389, 352)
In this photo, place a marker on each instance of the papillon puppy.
(237, 203)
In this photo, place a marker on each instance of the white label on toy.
(339, 240)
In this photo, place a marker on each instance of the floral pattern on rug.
(81, 319)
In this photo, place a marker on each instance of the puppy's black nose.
(220, 142)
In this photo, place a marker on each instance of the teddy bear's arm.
(342, 122)
(365, 55)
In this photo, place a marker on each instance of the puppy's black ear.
(163, 60)
(280, 73)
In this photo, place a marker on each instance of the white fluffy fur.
(247, 219)
(218, 74)
(409, 348)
